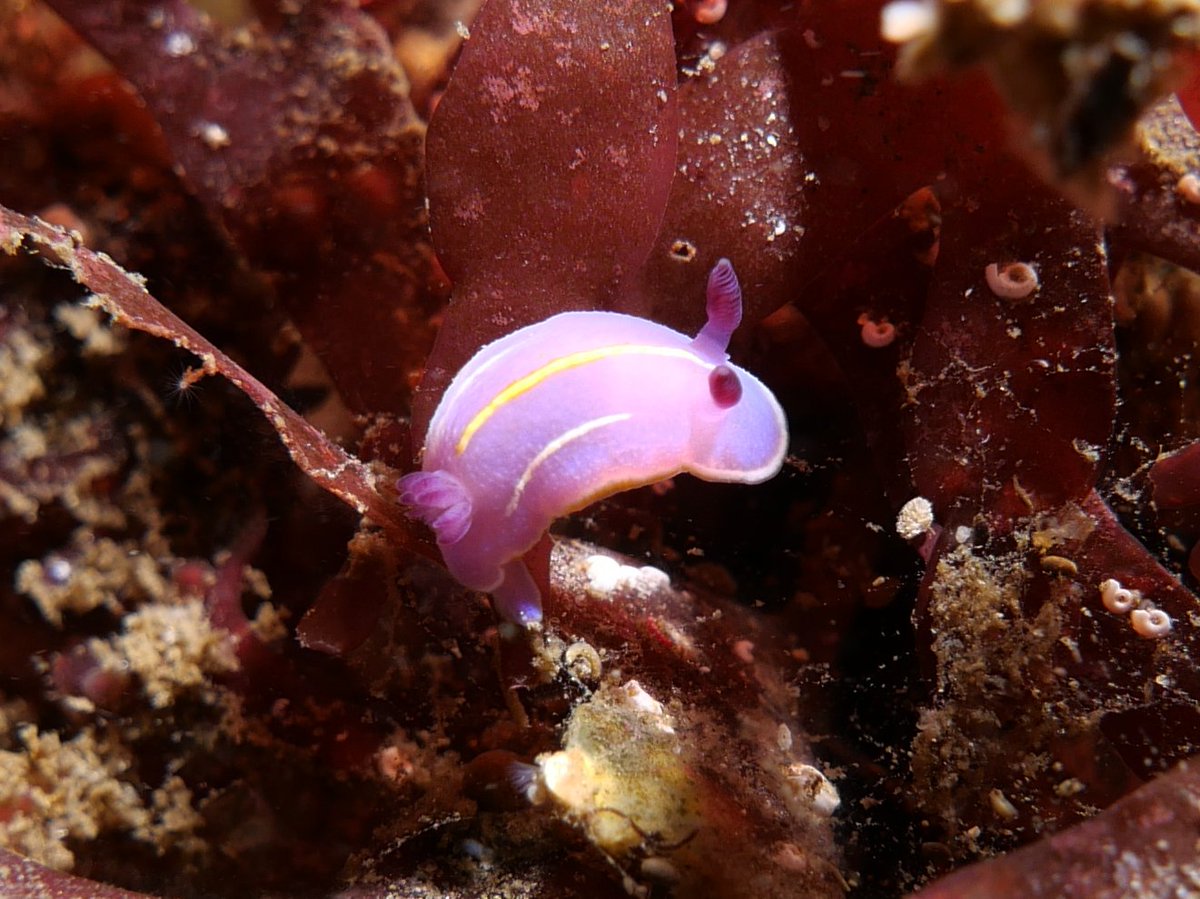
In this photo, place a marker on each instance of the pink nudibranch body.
(559, 414)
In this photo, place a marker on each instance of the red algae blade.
(988, 372)
(1118, 853)
(550, 157)
(303, 146)
(21, 878)
(123, 296)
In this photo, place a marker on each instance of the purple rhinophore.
(724, 309)
(557, 415)
(724, 386)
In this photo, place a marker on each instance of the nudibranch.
(559, 414)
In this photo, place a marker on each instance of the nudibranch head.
(559, 414)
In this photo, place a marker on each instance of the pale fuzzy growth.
(23, 361)
(92, 573)
(876, 334)
(1150, 623)
(173, 649)
(915, 518)
(90, 327)
(1011, 281)
(62, 794)
(1116, 598)
(621, 790)
(906, 20)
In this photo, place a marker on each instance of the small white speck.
(179, 43)
(58, 570)
(463, 31)
(214, 135)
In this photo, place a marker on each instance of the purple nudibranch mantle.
(559, 414)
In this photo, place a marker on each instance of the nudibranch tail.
(440, 500)
(724, 307)
(518, 598)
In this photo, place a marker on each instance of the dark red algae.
(948, 651)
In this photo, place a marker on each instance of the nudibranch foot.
(518, 598)
(440, 500)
